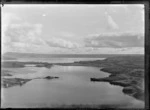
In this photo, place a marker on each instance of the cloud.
(7, 18)
(111, 23)
(26, 37)
(108, 50)
(25, 33)
(18, 35)
(62, 43)
(115, 40)
(22, 37)
(133, 50)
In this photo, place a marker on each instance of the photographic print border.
(147, 28)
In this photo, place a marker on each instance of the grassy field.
(126, 71)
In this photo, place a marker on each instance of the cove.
(72, 88)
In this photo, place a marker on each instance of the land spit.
(125, 71)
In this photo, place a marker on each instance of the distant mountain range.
(36, 55)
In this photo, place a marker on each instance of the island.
(9, 81)
(126, 71)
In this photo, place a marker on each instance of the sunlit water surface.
(72, 87)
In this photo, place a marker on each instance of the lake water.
(73, 87)
(54, 60)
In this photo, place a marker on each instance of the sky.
(73, 28)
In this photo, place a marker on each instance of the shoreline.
(9, 81)
(125, 71)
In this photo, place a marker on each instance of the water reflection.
(73, 87)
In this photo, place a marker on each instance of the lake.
(72, 88)
(53, 60)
